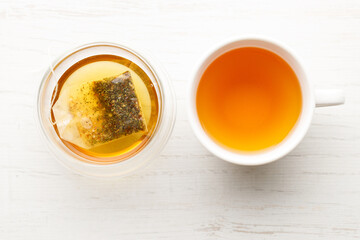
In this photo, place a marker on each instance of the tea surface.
(248, 99)
(105, 66)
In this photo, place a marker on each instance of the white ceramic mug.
(310, 100)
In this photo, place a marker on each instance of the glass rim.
(166, 117)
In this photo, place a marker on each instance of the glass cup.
(158, 139)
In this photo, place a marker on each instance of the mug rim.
(267, 155)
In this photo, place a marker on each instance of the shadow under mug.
(310, 99)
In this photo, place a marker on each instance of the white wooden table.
(314, 193)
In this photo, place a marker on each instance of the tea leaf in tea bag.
(100, 111)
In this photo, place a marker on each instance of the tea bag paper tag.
(65, 120)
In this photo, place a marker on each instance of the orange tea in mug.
(248, 99)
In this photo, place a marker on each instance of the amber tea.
(105, 108)
(248, 99)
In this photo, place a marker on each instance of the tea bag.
(98, 112)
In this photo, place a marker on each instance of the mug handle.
(329, 97)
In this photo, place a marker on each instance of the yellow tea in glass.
(104, 106)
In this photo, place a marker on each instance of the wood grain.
(313, 193)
